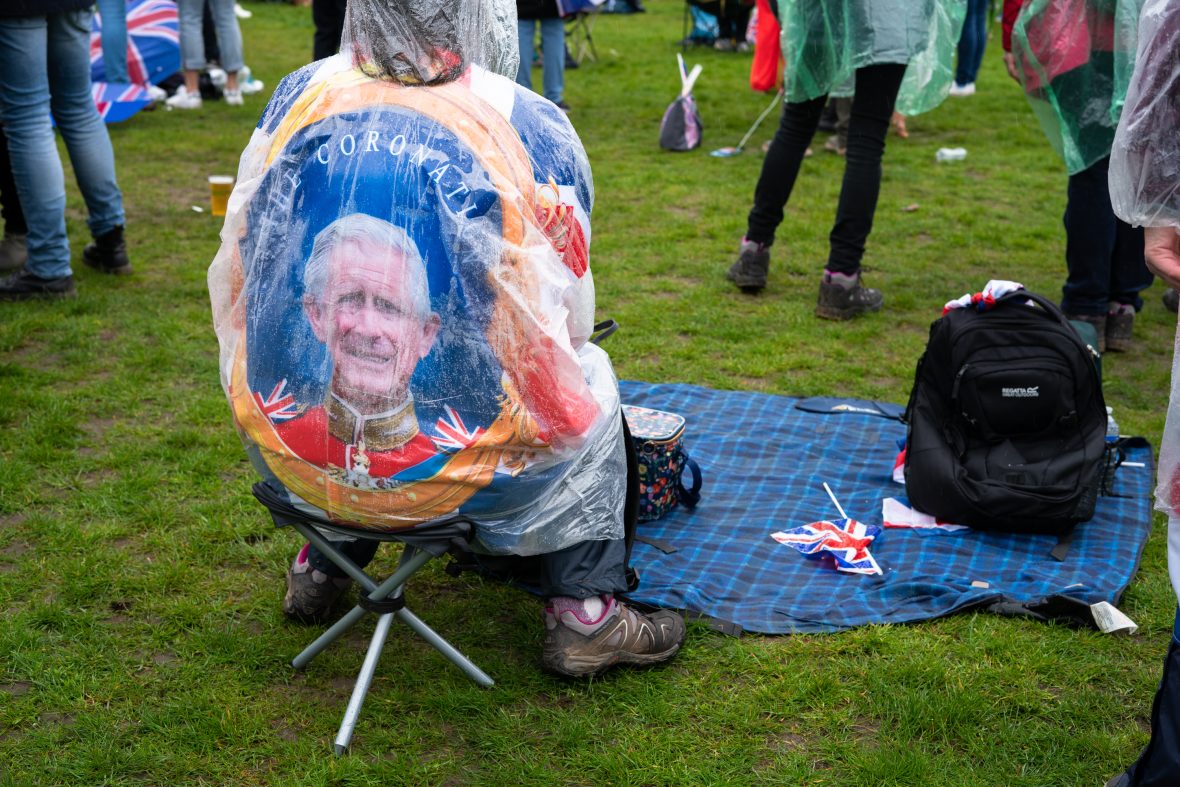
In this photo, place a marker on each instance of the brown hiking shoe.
(311, 593)
(752, 267)
(578, 649)
(1119, 322)
(843, 297)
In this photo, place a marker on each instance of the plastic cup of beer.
(219, 188)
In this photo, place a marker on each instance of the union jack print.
(846, 540)
(153, 42)
(279, 406)
(452, 432)
(116, 103)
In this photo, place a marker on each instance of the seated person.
(403, 300)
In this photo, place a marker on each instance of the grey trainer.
(1171, 300)
(14, 252)
(838, 302)
(752, 267)
(627, 637)
(311, 593)
(1118, 330)
(1099, 323)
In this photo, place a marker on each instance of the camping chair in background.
(386, 598)
(579, 27)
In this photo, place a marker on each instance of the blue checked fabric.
(764, 464)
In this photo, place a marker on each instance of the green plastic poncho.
(1074, 59)
(825, 41)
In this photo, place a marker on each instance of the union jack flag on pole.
(846, 540)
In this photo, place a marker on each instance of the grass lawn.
(140, 634)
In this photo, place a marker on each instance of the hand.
(1010, 64)
(1161, 249)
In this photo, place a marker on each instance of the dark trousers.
(872, 107)
(589, 568)
(328, 17)
(10, 209)
(1104, 255)
(1159, 764)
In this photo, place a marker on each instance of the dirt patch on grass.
(94, 478)
(16, 688)
(12, 520)
(15, 549)
(866, 732)
(96, 429)
(283, 731)
(58, 718)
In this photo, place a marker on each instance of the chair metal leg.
(363, 681)
(404, 571)
(445, 648)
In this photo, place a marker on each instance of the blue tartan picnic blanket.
(764, 462)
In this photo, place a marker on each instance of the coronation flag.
(153, 42)
(846, 540)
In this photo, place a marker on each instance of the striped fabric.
(764, 463)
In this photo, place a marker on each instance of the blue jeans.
(113, 14)
(552, 56)
(1159, 763)
(972, 42)
(45, 65)
(192, 40)
(1104, 255)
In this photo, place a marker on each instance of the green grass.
(140, 637)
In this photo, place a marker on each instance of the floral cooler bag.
(659, 447)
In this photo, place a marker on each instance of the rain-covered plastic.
(1145, 159)
(403, 296)
(1145, 190)
(1074, 58)
(825, 42)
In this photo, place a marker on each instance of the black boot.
(108, 253)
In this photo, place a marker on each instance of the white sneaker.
(248, 83)
(217, 75)
(242, 13)
(233, 98)
(155, 93)
(962, 91)
(184, 100)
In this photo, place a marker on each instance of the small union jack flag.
(846, 540)
(453, 434)
(279, 406)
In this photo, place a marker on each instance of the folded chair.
(386, 598)
(579, 34)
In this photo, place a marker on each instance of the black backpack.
(1006, 420)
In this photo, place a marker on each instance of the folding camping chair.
(579, 28)
(386, 599)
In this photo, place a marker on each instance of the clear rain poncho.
(402, 295)
(825, 41)
(1145, 191)
(1074, 58)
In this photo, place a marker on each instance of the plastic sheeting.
(1145, 190)
(403, 295)
(1145, 160)
(1074, 58)
(825, 41)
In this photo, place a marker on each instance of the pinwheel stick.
(828, 489)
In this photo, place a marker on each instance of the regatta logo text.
(1021, 393)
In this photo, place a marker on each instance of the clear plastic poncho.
(1145, 190)
(825, 41)
(1074, 58)
(403, 295)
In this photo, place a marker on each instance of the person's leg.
(872, 107)
(114, 39)
(36, 167)
(10, 207)
(78, 121)
(209, 35)
(1159, 763)
(328, 17)
(192, 40)
(525, 31)
(229, 40)
(1090, 236)
(553, 59)
(1129, 276)
(971, 42)
(588, 630)
(780, 168)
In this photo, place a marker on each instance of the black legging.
(872, 107)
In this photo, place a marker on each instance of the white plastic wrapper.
(403, 295)
(1145, 161)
